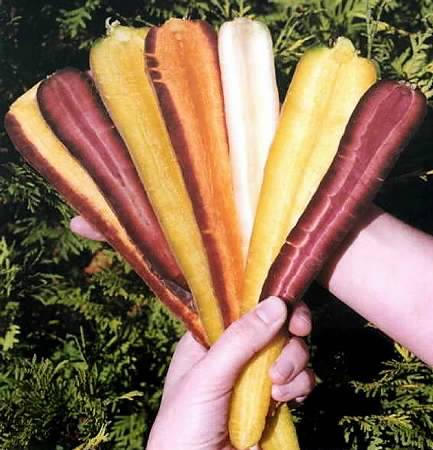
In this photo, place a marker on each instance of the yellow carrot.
(325, 89)
(38, 144)
(280, 432)
(252, 109)
(118, 68)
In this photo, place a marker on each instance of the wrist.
(383, 271)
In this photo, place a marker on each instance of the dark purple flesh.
(381, 125)
(73, 110)
(177, 300)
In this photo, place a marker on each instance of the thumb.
(242, 340)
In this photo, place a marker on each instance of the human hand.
(196, 398)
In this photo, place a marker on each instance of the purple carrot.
(84, 198)
(380, 127)
(73, 110)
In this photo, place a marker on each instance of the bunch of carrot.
(174, 148)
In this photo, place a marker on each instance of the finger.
(300, 322)
(242, 340)
(79, 225)
(292, 361)
(299, 387)
(187, 354)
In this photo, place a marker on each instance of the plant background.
(84, 346)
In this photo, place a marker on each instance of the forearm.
(384, 271)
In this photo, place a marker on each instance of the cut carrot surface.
(182, 57)
(119, 70)
(327, 85)
(40, 147)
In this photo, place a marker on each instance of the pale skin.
(199, 421)
(383, 271)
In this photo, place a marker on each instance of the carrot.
(380, 127)
(252, 109)
(325, 89)
(182, 57)
(71, 106)
(34, 139)
(280, 433)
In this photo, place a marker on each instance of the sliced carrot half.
(182, 57)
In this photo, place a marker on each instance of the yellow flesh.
(325, 89)
(280, 433)
(248, 409)
(118, 67)
(33, 125)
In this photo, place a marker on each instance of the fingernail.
(74, 224)
(305, 316)
(271, 310)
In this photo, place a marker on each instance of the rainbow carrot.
(252, 109)
(71, 106)
(325, 89)
(182, 57)
(37, 143)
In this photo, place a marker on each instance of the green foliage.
(90, 366)
(74, 21)
(405, 391)
(379, 29)
(82, 353)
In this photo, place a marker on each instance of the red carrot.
(380, 127)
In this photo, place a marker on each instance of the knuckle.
(250, 325)
(240, 334)
(305, 311)
(248, 333)
(238, 329)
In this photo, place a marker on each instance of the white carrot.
(252, 110)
